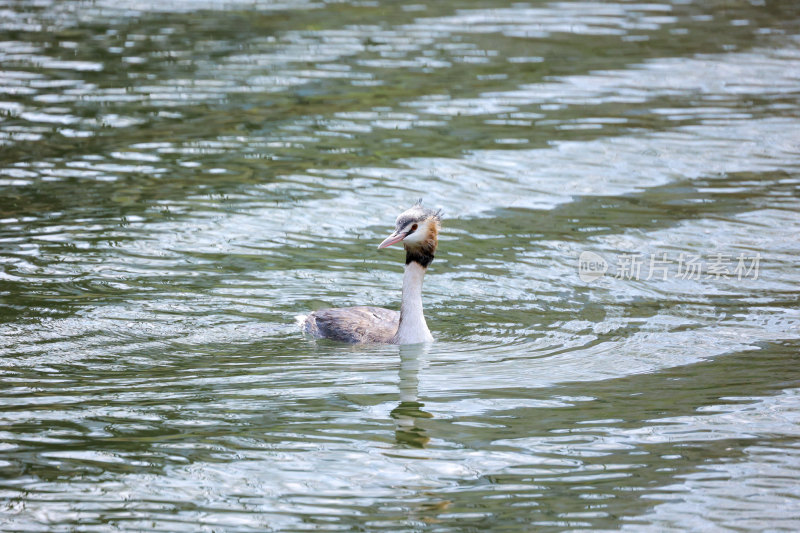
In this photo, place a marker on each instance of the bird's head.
(418, 229)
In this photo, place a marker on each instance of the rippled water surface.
(180, 179)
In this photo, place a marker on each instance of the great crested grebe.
(418, 229)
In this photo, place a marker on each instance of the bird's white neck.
(413, 328)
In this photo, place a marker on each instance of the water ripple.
(181, 179)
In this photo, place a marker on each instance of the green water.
(179, 180)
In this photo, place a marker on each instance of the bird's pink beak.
(391, 239)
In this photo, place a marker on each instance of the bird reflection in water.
(408, 412)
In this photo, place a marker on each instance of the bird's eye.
(413, 228)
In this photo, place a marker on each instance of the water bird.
(418, 229)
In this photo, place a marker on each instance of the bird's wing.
(354, 324)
